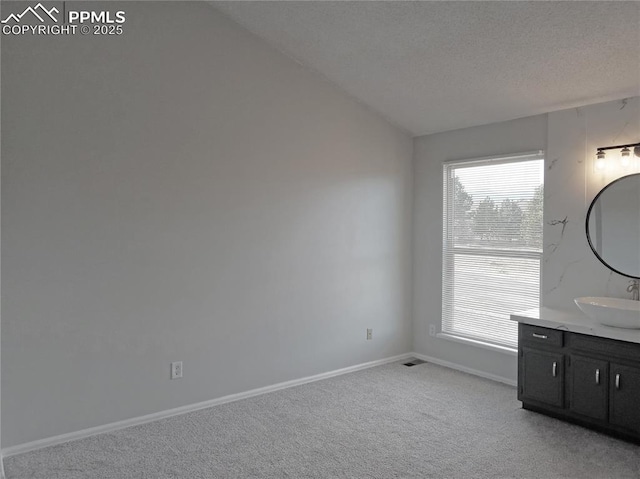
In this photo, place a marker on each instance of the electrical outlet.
(432, 330)
(176, 370)
(369, 334)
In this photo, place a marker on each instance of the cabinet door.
(624, 398)
(542, 377)
(588, 386)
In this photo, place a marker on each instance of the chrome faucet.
(634, 289)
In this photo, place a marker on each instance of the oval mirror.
(613, 225)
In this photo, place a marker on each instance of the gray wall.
(185, 192)
(527, 134)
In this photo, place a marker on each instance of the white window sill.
(477, 343)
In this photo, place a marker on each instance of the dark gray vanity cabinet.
(541, 366)
(624, 407)
(588, 386)
(585, 379)
(543, 376)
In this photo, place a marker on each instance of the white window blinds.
(492, 245)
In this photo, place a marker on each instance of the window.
(492, 245)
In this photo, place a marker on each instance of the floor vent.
(414, 362)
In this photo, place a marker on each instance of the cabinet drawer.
(538, 335)
(609, 348)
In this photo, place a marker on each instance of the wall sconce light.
(600, 164)
(625, 155)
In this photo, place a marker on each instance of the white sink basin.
(619, 313)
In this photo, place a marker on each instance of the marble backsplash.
(570, 269)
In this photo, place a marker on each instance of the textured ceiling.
(436, 66)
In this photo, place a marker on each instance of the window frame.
(449, 250)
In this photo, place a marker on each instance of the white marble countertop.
(574, 321)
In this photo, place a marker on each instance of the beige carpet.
(386, 422)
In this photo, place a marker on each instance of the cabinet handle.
(617, 381)
(539, 336)
(597, 376)
(554, 369)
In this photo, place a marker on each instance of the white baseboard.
(114, 426)
(465, 369)
(73, 436)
